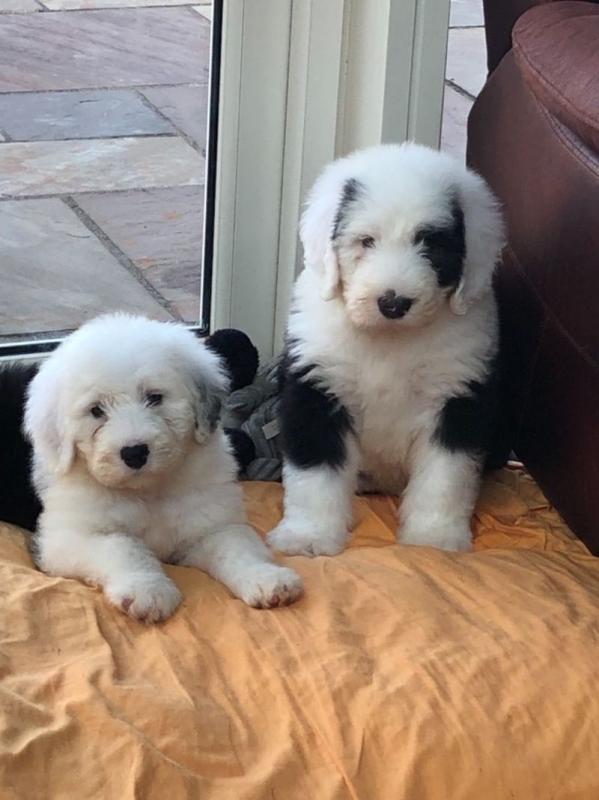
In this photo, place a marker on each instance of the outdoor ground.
(466, 71)
(102, 153)
(103, 117)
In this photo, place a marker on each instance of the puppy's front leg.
(318, 510)
(130, 575)
(320, 468)
(439, 499)
(237, 557)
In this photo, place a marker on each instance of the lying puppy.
(392, 339)
(19, 504)
(132, 469)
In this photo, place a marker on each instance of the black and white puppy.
(389, 381)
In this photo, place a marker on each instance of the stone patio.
(103, 110)
(465, 73)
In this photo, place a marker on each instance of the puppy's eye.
(431, 237)
(422, 236)
(154, 399)
(367, 241)
(97, 411)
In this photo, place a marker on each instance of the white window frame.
(302, 82)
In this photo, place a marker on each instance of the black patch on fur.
(472, 421)
(445, 247)
(243, 447)
(18, 501)
(314, 424)
(351, 191)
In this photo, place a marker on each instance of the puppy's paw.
(457, 538)
(297, 542)
(268, 585)
(147, 599)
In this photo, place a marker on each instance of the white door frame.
(303, 81)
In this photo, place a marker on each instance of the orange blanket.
(404, 673)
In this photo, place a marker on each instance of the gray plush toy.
(250, 413)
(253, 411)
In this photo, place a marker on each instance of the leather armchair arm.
(500, 16)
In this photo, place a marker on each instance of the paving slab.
(456, 108)
(20, 6)
(467, 59)
(466, 14)
(74, 5)
(185, 106)
(31, 116)
(43, 168)
(160, 230)
(205, 11)
(103, 49)
(55, 274)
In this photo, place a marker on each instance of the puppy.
(132, 469)
(19, 504)
(389, 377)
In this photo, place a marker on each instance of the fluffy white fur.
(392, 375)
(117, 382)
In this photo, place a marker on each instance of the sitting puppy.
(132, 469)
(389, 373)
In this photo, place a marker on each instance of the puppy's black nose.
(135, 456)
(392, 306)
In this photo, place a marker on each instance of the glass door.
(106, 175)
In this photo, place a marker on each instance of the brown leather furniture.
(533, 133)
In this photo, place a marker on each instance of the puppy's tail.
(18, 502)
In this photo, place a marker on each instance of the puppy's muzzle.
(136, 455)
(393, 306)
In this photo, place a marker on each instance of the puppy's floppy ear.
(484, 241)
(45, 422)
(331, 276)
(323, 219)
(210, 387)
